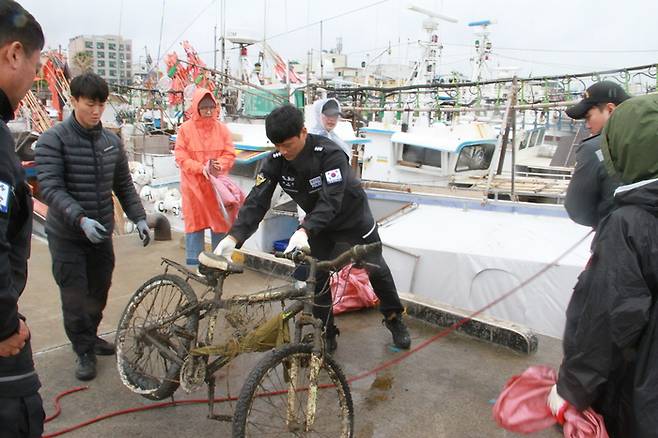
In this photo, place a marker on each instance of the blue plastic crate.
(280, 245)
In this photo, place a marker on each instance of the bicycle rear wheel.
(263, 406)
(156, 311)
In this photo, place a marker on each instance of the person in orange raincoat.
(202, 140)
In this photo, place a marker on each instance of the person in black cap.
(326, 112)
(590, 192)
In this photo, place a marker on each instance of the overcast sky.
(539, 37)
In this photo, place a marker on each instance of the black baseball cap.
(331, 108)
(601, 92)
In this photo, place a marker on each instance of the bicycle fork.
(313, 372)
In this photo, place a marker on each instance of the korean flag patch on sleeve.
(5, 190)
(333, 176)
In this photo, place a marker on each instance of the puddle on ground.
(378, 391)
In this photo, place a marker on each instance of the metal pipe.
(160, 224)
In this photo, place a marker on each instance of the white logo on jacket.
(333, 176)
(315, 182)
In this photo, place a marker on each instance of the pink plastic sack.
(351, 290)
(229, 196)
(521, 407)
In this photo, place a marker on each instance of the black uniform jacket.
(590, 193)
(320, 181)
(611, 335)
(17, 376)
(78, 169)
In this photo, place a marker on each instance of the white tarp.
(468, 258)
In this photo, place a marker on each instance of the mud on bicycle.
(296, 389)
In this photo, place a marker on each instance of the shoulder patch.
(318, 148)
(5, 190)
(599, 155)
(276, 154)
(260, 178)
(333, 176)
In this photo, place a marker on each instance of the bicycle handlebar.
(354, 254)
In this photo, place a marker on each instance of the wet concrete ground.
(444, 390)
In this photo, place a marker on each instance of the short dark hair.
(283, 123)
(16, 24)
(89, 85)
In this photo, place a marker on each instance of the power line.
(328, 19)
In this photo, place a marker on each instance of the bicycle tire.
(134, 355)
(258, 386)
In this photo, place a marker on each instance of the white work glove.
(299, 240)
(225, 247)
(557, 404)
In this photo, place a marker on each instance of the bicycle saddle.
(216, 262)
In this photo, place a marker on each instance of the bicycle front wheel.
(155, 334)
(274, 400)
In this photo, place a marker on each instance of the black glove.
(143, 230)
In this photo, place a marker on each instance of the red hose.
(120, 412)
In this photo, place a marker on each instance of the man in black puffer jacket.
(79, 165)
(21, 410)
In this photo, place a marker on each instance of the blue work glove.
(94, 231)
(143, 230)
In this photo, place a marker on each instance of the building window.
(127, 47)
(101, 72)
(89, 45)
(120, 46)
(113, 73)
(120, 55)
(113, 64)
(89, 53)
(111, 46)
(112, 55)
(100, 54)
(100, 45)
(100, 63)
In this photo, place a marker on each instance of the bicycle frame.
(209, 308)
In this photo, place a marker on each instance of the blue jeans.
(195, 244)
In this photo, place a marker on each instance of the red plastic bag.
(521, 407)
(351, 290)
(229, 196)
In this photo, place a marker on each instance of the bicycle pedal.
(221, 417)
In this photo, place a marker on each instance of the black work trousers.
(328, 246)
(83, 272)
(21, 417)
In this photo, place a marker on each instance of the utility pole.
(321, 56)
(214, 49)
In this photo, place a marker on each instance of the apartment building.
(109, 56)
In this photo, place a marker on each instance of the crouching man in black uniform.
(315, 172)
(80, 164)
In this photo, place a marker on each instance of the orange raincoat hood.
(199, 140)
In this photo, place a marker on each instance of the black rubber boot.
(104, 348)
(86, 369)
(401, 337)
(331, 344)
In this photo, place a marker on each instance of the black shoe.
(104, 348)
(86, 369)
(401, 337)
(330, 342)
